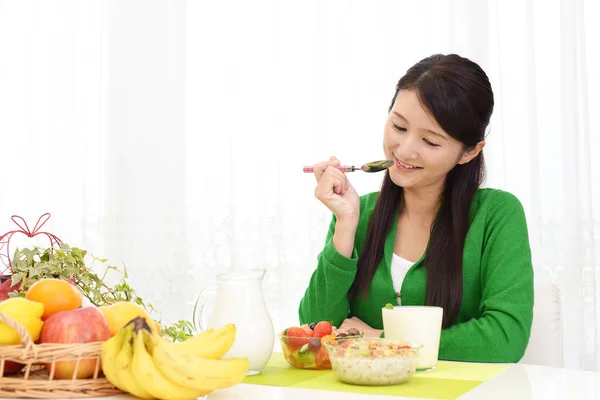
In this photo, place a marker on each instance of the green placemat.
(449, 381)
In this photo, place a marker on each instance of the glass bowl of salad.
(304, 347)
(373, 362)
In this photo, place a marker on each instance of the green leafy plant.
(179, 331)
(66, 262)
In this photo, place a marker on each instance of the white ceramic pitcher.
(240, 301)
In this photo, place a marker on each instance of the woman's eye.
(399, 128)
(430, 143)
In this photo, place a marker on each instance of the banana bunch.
(139, 361)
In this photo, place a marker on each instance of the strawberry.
(323, 328)
(307, 329)
(297, 336)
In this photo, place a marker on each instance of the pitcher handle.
(199, 309)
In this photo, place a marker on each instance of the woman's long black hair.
(458, 94)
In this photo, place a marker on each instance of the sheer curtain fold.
(169, 136)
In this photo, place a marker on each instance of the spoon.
(374, 166)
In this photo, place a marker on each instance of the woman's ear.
(468, 155)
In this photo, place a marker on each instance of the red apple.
(11, 367)
(6, 287)
(82, 325)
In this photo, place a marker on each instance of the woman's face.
(422, 151)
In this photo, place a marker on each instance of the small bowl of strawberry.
(304, 346)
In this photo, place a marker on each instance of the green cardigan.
(495, 317)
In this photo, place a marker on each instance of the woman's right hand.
(335, 191)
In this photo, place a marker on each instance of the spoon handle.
(343, 168)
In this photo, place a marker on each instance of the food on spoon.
(304, 346)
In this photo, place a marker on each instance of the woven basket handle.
(21, 330)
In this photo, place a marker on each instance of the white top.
(400, 267)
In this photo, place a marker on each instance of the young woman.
(431, 236)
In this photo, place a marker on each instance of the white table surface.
(518, 382)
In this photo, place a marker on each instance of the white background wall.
(170, 135)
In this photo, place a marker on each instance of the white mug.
(416, 325)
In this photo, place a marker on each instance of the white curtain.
(169, 136)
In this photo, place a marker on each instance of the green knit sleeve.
(501, 333)
(326, 298)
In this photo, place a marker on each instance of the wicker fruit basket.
(37, 381)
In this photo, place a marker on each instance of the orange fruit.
(118, 314)
(56, 295)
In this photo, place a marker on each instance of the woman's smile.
(404, 166)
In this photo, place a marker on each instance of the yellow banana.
(108, 355)
(195, 372)
(147, 374)
(213, 346)
(199, 338)
(123, 367)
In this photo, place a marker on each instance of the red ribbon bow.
(24, 228)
